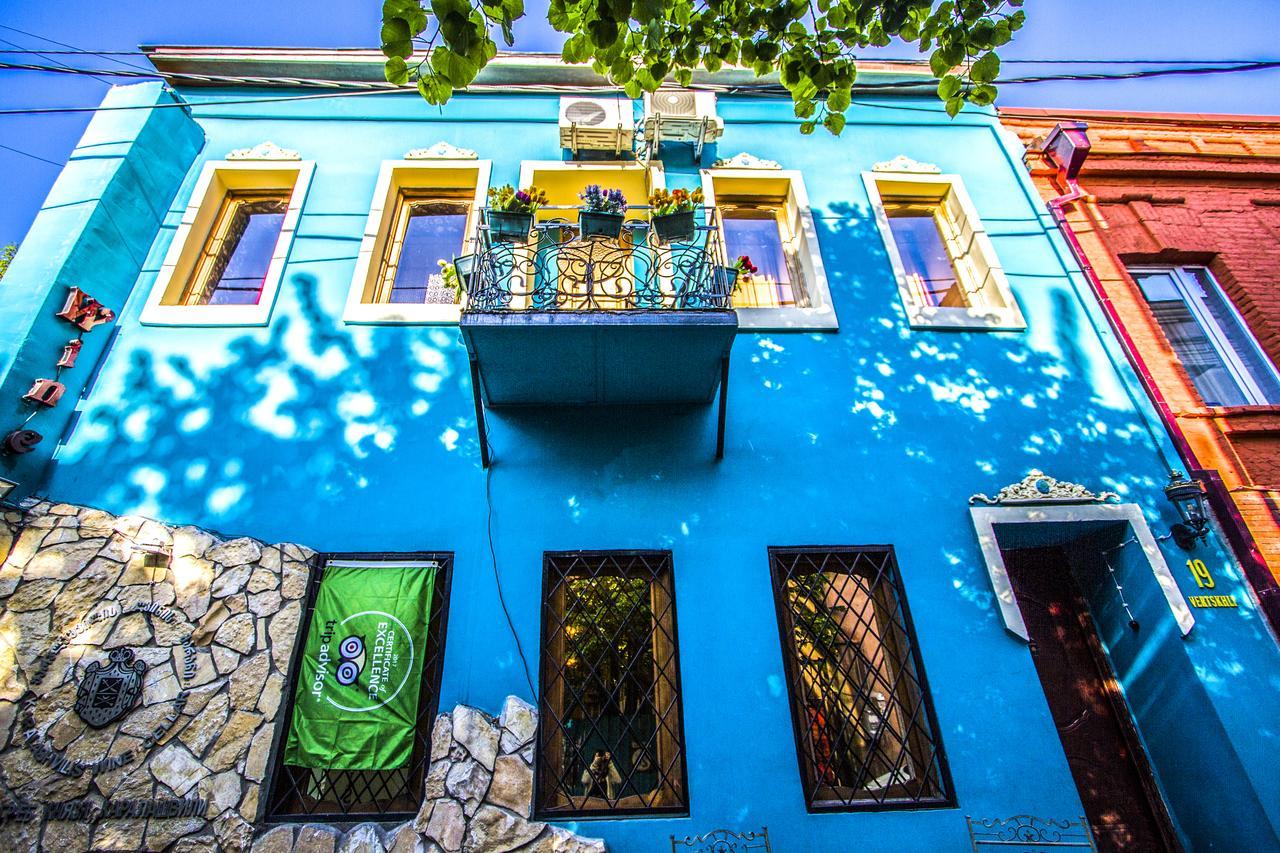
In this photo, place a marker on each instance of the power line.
(869, 58)
(29, 154)
(372, 88)
(50, 58)
(103, 53)
(1238, 67)
(106, 54)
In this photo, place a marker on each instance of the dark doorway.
(1111, 772)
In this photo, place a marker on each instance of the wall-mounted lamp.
(1187, 496)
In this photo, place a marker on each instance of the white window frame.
(217, 178)
(393, 177)
(1187, 287)
(975, 263)
(801, 245)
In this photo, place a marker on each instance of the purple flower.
(523, 197)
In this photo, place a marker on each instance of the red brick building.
(1179, 218)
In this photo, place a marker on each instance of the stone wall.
(186, 639)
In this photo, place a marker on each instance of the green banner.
(356, 703)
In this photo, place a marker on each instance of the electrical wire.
(298, 82)
(497, 579)
(54, 60)
(104, 54)
(29, 154)
(870, 58)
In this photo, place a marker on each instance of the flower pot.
(723, 281)
(595, 224)
(674, 227)
(506, 226)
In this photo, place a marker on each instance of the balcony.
(557, 319)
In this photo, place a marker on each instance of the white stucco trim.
(216, 179)
(393, 176)
(985, 519)
(820, 313)
(984, 265)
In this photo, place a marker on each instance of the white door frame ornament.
(1040, 499)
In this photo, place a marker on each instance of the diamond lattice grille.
(864, 728)
(300, 793)
(610, 734)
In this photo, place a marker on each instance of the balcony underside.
(594, 358)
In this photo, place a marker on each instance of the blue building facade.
(862, 409)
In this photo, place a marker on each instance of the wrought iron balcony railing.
(557, 269)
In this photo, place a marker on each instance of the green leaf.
(457, 70)
(985, 69)
(805, 109)
(954, 105)
(949, 87)
(939, 64)
(834, 122)
(807, 127)
(684, 76)
(576, 49)
(435, 90)
(395, 30)
(839, 100)
(633, 88)
(983, 95)
(402, 49)
(396, 71)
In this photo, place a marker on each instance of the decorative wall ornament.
(903, 163)
(83, 311)
(107, 693)
(264, 151)
(746, 161)
(1039, 488)
(441, 151)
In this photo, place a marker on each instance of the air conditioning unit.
(681, 115)
(597, 124)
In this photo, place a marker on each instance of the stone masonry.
(215, 622)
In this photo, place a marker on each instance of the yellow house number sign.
(1204, 580)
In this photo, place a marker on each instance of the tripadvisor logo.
(368, 666)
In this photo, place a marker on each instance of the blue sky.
(1056, 29)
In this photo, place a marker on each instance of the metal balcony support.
(481, 427)
(724, 402)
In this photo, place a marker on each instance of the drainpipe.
(1065, 148)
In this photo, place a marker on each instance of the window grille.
(610, 733)
(302, 793)
(865, 732)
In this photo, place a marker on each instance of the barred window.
(865, 732)
(327, 793)
(610, 733)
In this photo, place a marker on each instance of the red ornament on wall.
(70, 353)
(46, 392)
(84, 311)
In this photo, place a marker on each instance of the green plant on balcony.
(511, 212)
(602, 212)
(673, 212)
(453, 281)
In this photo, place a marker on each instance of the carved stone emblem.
(903, 163)
(1039, 488)
(746, 161)
(441, 151)
(264, 151)
(107, 693)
